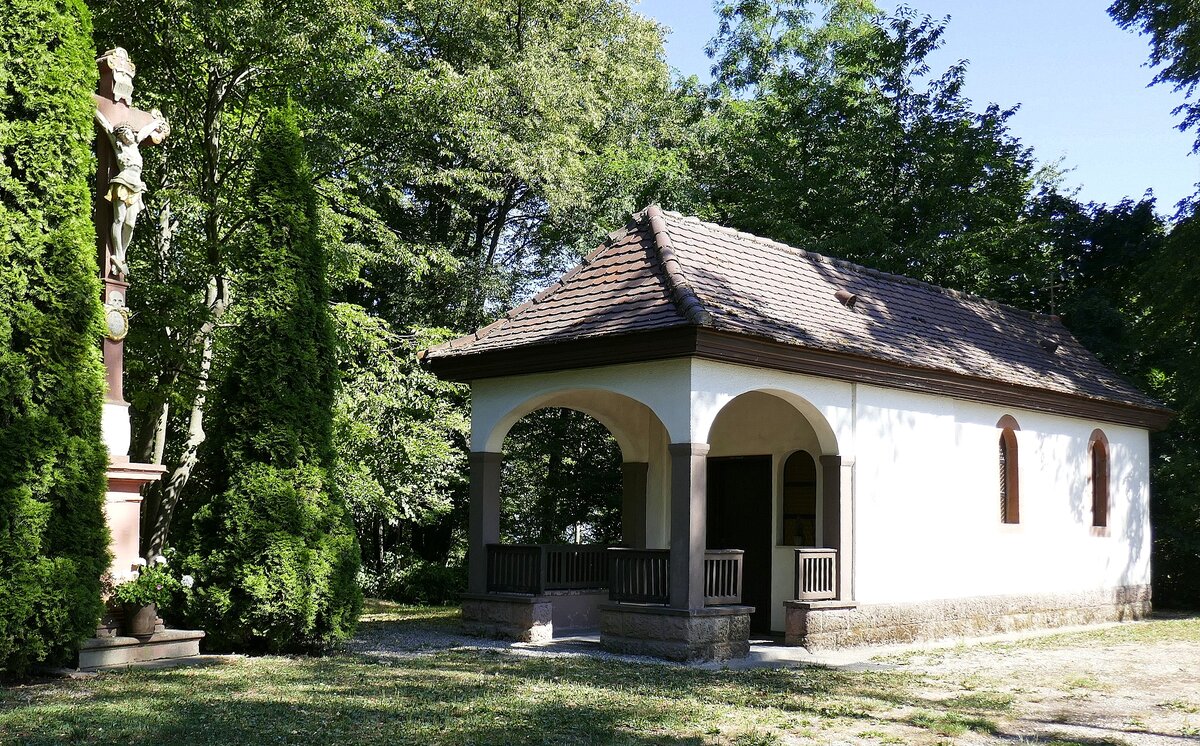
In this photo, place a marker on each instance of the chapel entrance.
(739, 517)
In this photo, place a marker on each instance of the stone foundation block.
(689, 635)
(508, 617)
(823, 625)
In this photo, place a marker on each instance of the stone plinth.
(508, 616)
(525, 618)
(117, 651)
(123, 509)
(689, 635)
(825, 625)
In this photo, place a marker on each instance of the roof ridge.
(859, 268)
(683, 295)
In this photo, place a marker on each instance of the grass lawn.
(493, 697)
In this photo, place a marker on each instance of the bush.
(53, 536)
(272, 546)
(412, 580)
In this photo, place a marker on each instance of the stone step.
(111, 652)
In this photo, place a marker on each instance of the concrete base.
(688, 635)
(827, 625)
(110, 652)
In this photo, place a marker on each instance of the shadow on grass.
(482, 696)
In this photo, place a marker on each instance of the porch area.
(539, 592)
(729, 534)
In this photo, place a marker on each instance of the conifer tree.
(53, 536)
(273, 549)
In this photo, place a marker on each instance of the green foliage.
(562, 472)
(849, 145)
(1174, 30)
(401, 441)
(273, 550)
(1171, 326)
(153, 585)
(53, 537)
(406, 578)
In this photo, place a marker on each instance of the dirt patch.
(1133, 684)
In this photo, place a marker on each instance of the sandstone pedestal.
(689, 635)
(123, 508)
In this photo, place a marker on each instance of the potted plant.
(141, 596)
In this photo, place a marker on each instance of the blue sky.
(1081, 83)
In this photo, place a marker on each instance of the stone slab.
(110, 652)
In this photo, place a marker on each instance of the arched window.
(1010, 492)
(1099, 451)
(799, 513)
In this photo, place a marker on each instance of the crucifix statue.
(119, 182)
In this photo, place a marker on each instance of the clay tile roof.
(665, 270)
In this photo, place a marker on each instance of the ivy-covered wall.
(53, 537)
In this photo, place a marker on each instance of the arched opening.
(560, 480)
(798, 503)
(773, 489)
(1098, 446)
(1010, 483)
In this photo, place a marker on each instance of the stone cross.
(122, 130)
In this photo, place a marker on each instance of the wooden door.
(739, 517)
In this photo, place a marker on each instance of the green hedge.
(53, 537)
(273, 548)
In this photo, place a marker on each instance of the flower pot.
(140, 620)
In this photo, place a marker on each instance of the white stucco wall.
(920, 473)
(928, 510)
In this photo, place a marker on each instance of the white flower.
(187, 581)
(139, 562)
(159, 559)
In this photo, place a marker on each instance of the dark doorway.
(739, 517)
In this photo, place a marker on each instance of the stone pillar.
(689, 485)
(633, 503)
(484, 516)
(837, 525)
(831, 506)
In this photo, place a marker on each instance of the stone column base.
(506, 616)
(825, 625)
(689, 635)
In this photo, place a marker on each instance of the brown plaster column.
(837, 524)
(633, 503)
(689, 487)
(484, 526)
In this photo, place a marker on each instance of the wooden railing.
(575, 566)
(722, 576)
(816, 574)
(537, 568)
(639, 576)
(644, 576)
